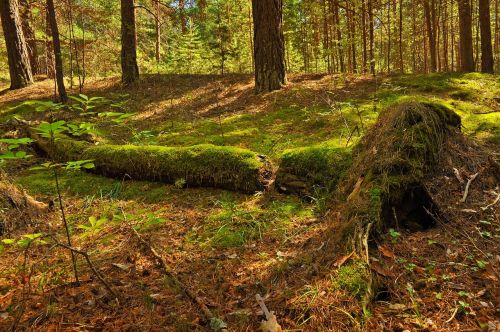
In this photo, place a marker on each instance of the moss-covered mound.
(303, 170)
(200, 165)
(385, 184)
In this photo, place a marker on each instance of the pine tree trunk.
(49, 49)
(431, 33)
(63, 97)
(17, 52)
(372, 37)
(156, 5)
(130, 70)
(486, 47)
(466, 47)
(29, 34)
(269, 48)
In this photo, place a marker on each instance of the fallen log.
(304, 170)
(203, 165)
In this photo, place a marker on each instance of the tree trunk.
(431, 33)
(63, 97)
(371, 33)
(269, 48)
(363, 28)
(29, 34)
(401, 61)
(156, 5)
(17, 52)
(466, 47)
(130, 70)
(486, 47)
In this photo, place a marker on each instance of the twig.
(453, 315)
(466, 193)
(457, 175)
(492, 204)
(216, 324)
(263, 306)
(90, 264)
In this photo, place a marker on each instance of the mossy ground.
(230, 246)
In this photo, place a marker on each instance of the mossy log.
(204, 165)
(385, 186)
(305, 170)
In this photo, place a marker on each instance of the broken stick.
(466, 192)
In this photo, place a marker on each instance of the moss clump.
(303, 169)
(353, 278)
(391, 164)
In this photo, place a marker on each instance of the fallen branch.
(466, 192)
(492, 204)
(271, 323)
(216, 323)
(457, 175)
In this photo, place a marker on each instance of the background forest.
(201, 37)
(225, 165)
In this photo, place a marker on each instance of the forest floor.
(226, 246)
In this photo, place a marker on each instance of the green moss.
(352, 278)
(201, 165)
(321, 166)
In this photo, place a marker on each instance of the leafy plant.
(85, 104)
(145, 137)
(51, 130)
(80, 129)
(117, 117)
(394, 235)
(93, 227)
(13, 144)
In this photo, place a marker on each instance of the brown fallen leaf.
(386, 252)
(343, 259)
(377, 267)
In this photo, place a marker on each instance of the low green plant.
(93, 227)
(85, 104)
(352, 277)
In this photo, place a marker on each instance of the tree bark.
(29, 34)
(486, 47)
(49, 49)
(17, 52)
(63, 97)
(130, 70)
(466, 47)
(371, 33)
(431, 32)
(269, 47)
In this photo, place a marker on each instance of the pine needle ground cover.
(229, 246)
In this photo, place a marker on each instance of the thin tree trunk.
(466, 46)
(269, 48)
(371, 33)
(363, 28)
(156, 5)
(17, 52)
(63, 97)
(49, 49)
(401, 60)
(429, 20)
(130, 70)
(486, 47)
